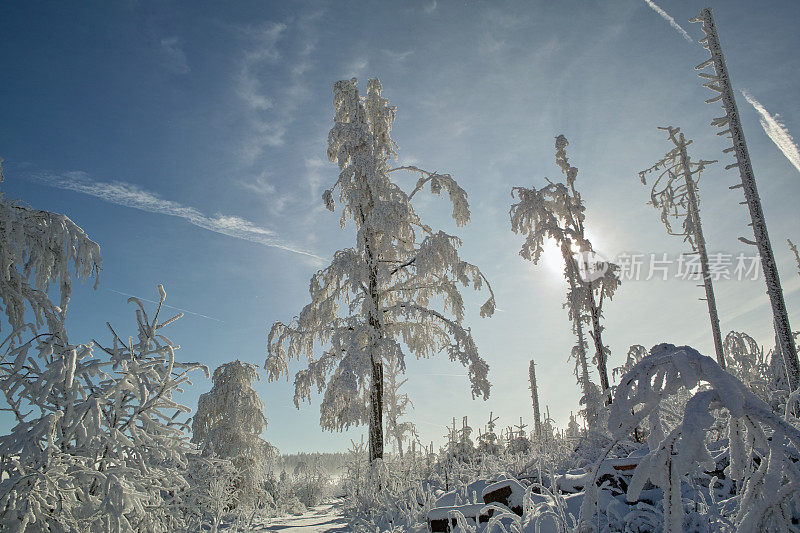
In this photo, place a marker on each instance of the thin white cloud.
(356, 66)
(270, 111)
(490, 44)
(173, 56)
(262, 188)
(663, 14)
(129, 195)
(430, 7)
(397, 57)
(776, 131)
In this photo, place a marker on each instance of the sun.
(553, 262)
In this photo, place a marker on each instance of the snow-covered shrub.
(99, 443)
(311, 484)
(746, 360)
(401, 503)
(762, 446)
(210, 496)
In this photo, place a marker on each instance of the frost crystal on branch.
(375, 299)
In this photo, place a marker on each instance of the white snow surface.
(327, 518)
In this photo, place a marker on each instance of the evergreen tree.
(229, 422)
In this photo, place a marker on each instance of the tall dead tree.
(537, 424)
(719, 82)
(556, 211)
(675, 193)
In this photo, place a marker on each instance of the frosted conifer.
(229, 422)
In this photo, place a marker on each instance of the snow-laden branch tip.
(130, 195)
(663, 14)
(776, 131)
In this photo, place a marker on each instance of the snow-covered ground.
(326, 518)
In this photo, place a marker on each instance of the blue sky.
(188, 139)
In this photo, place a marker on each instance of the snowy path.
(323, 519)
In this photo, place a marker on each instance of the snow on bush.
(762, 447)
(99, 442)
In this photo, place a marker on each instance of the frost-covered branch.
(37, 249)
(101, 445)
(768, 485)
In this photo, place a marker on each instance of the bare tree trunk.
(376, 411)
(537, 424)
(600, 351)
(721, 84)
(376, 377)
(700, 242)
(376, 371)
(578, 325)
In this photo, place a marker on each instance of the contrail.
(167, 305)
(776, 131)
(675, 25)
(129, 195)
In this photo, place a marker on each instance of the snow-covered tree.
(518, 442)
(229, 422)
(488, 442)
(99, 443)
(385, 286)
(747, 361)
(573, 429)
(39, 249)
(675, 194)
(556, 211)
(719, 81)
